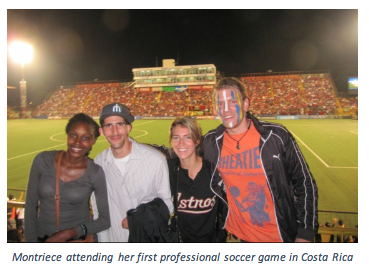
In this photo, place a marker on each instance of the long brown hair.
(195, 132)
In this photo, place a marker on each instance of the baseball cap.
(116, 109)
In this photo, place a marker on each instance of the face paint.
(225, 101)
(238, 107)
(229, 106)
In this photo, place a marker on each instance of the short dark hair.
(81, 117)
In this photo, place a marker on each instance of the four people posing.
(252, 179)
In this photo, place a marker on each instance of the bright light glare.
(20, 52)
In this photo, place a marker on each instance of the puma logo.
(277, 157)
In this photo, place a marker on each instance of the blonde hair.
(195, 132)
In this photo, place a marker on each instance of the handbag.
(83, 238)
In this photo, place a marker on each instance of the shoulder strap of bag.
(175, 200)
(57, 195)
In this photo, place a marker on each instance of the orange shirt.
(251, 208)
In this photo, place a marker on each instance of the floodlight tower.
(22, 53)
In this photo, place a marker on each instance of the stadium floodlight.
(21, 53)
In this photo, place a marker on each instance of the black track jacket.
(290, 182)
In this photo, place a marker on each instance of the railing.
(350, 218)
(285, 73)
(330, 234)
(325, 234)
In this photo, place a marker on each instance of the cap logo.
(117, 108)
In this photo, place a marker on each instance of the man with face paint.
(261, 174)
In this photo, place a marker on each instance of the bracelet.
(84, 229)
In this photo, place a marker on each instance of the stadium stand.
(294, 94)
(319, 94)
(11, 114)
(53, 106)
(348, 105)
(260, 93)
(278, 94)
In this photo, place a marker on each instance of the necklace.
(238, 141)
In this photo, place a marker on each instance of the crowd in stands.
(159, 103)
(291, 95)
(319, 95)
(287, 94)
(348, 105)
(200, 98)
(259, 91)
(11, 114)
(54, 104)
(311, 94)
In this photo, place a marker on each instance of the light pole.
(21, 53)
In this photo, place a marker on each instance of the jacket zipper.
(262, 165)
(212, 177)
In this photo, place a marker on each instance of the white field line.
(35, 152)
(57, 140)
(320, 159)
(145, 133)
(342, 167)
(51, 138)
(354, 132)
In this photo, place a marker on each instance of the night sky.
(83, 45)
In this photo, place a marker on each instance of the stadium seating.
(11, 114)
(319, 94)
(295, 94)
(348, 105)
(311, 94)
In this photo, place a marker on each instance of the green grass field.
(329, 146)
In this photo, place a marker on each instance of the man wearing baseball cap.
(135, 173)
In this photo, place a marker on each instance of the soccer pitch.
(329, 146)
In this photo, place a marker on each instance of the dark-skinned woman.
(79, 176)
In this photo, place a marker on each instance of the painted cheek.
(239, 100)
(238, 113)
